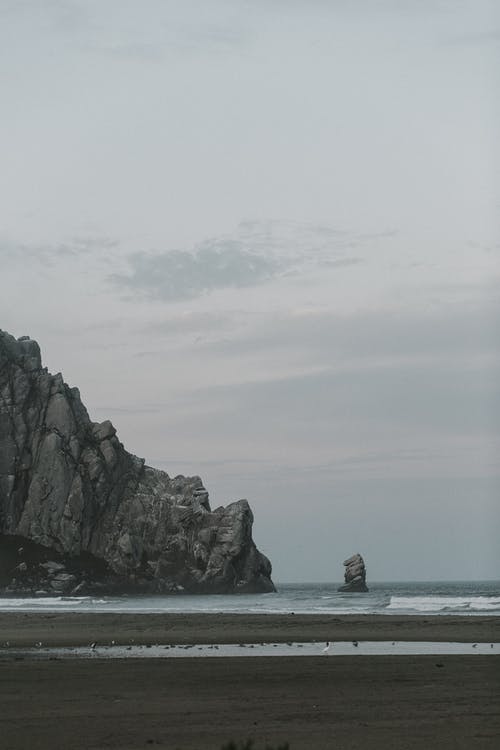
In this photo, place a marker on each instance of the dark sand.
(79, 629)
(320, 703)
(314, 703)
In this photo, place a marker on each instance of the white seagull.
(327, 648)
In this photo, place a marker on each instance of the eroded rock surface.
(82, 502)
(355, 574)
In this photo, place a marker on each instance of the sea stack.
(355, 575)
(78, 513)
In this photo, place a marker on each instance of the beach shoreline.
(321, 702)
(60, 629)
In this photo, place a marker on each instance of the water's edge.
(466, 598)
(328, 649)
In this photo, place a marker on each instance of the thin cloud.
(487, 36)
(351, 405)
(131, 38)
(13, 253)
(200, 324)
(118, 410)
(329, 338)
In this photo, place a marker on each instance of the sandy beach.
(322, 702)
(313, 703)
(24, 629)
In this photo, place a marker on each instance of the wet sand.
(317, 703)
(24, 629)
(314, 703)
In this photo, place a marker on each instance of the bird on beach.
(355, 643)
(327, 648)
(93, 645)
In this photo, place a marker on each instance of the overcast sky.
(262, 237)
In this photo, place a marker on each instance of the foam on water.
(445, 603)
(42, 602)
(430, 598)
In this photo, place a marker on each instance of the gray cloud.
(180, 275)
(256, 253)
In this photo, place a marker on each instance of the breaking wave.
(42, 602)
(467, 598)
(459, 604)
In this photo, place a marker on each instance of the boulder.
(355, 575)
(93, 513)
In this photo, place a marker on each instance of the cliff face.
(79, 499)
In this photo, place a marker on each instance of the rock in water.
(355, 574)
(87, 513)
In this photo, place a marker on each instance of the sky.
(263, 239)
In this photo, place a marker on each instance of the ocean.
(413, 598)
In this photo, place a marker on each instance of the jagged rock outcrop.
(355, 575)
(77, 509)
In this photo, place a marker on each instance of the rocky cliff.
(355, 575)
(77, 511)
